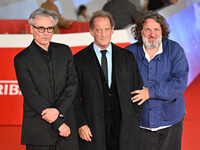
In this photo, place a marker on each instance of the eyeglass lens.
(42, 29)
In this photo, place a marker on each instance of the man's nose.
(45, 32)
(152, 33)
(103, 32)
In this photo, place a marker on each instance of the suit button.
(98, 116)
(150, 81)
(109, 94)
(150, 109)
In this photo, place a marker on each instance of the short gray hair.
(41, 12)
(101, 13)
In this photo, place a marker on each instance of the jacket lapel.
(56, 63)
(91, 60)
(37, 59)
(117, 59)
(117, 67)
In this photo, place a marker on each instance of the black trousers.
(40, 147)
(165, 139)
(112, 141)
(60, 144)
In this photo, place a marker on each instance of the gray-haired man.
(106, 117)
(47, 79)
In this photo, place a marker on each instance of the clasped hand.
(64, 130)
(50, 114)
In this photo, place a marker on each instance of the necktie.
(104, 63)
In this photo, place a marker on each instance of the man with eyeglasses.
(48, 81)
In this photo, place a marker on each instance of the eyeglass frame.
(41, 27)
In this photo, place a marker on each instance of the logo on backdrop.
(9, 87)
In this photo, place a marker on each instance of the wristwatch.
(61, 115)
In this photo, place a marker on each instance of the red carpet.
(10, 135)
(191, 127)
(10, 138)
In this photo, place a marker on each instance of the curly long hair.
(137, 29)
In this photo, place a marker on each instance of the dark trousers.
(165, 139)
(40, 147)
(112, 141)
(61, 144)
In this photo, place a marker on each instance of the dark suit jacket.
(34, 80)
(89, 102)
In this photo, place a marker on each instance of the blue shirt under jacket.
(166, 77)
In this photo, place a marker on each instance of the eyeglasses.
(42, 29)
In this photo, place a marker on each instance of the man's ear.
(31, 29)
(91, 32)
(112, 30)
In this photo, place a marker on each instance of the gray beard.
(151, 45)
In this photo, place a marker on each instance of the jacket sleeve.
(78, 103)
(65, 100)
(176, 85)
(137, 85)
(31, 95)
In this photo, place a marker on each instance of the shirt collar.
(41, 50)
(160, 50)
(98, 50)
